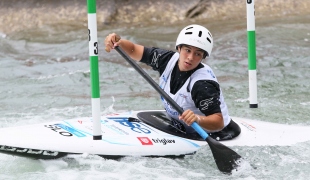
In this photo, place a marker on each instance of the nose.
(190, 56)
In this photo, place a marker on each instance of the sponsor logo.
(134, 126)
(145, 141)
(71, 130)
(211, 73)
(28, 151)
(205, 103)
(65, 130)
(198, 41)
(164, 141)
(155, 59)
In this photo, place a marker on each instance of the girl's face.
(190, 57)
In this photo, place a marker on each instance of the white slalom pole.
(94, 70)
(252, 53)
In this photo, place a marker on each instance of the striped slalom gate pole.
(252, 53)
(94, 70)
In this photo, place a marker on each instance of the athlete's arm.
(213, 122)
(206, 95)
(134, 51)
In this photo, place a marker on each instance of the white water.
(46, 78)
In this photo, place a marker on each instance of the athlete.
(189, 82)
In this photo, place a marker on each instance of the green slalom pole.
(252, 53)
(94, 70)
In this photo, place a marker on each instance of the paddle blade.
(225, 158)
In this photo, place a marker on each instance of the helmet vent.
(189, 33)
(199, 33)
(210, 34)
(208, 39)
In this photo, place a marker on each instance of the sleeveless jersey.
(183, 96)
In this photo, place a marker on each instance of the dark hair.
(205, 53)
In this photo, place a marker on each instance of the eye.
(198, 54)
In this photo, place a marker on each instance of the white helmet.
(196, 35)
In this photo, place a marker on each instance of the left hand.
(188, 117)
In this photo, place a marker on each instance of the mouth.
(185, 66)
(187, 63)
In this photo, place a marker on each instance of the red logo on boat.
(145, 141)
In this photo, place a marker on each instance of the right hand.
(111, 41)
(189, 117)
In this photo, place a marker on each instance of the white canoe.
(125, 135)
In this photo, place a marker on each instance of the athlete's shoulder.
(157, 58)
(157, 53)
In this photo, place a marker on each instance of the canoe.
(134, 133)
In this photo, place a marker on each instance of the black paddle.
(225, 158)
